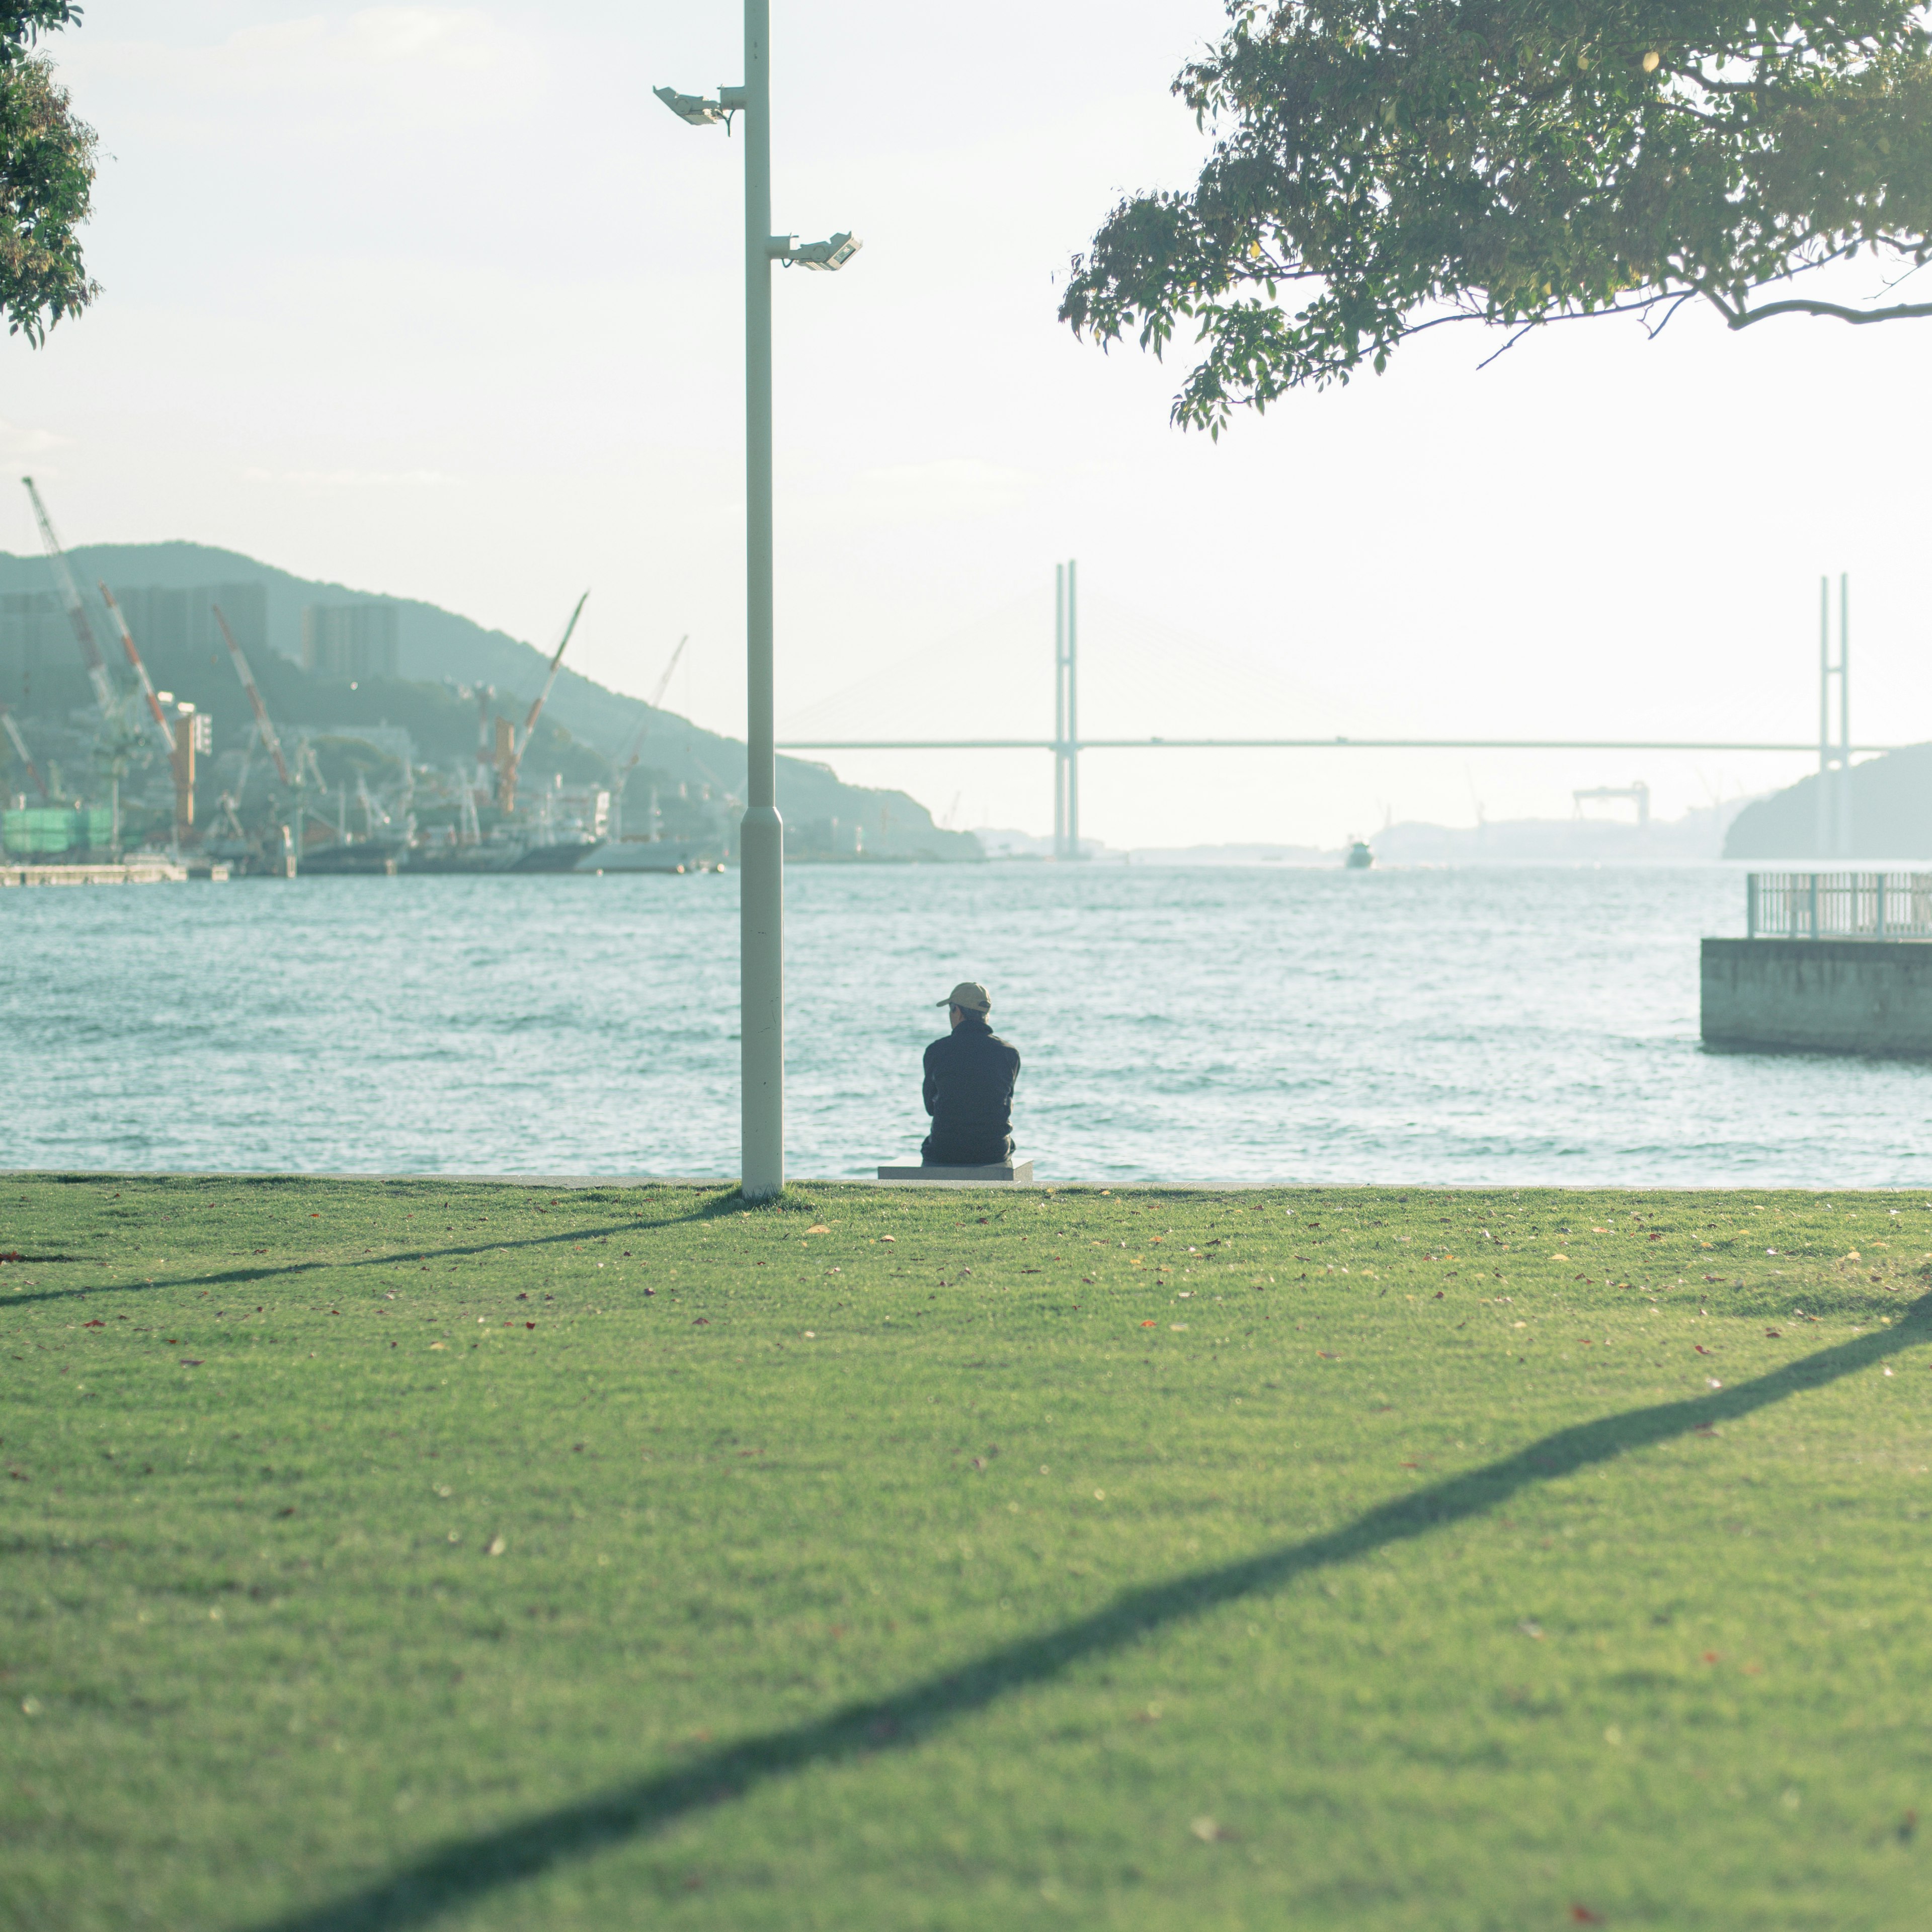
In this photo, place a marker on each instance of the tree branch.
(1743, 318)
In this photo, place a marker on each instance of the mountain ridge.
(436, 648)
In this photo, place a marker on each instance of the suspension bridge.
(1834, 753)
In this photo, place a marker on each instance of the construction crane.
(656, 698)
(622, 772)
(26, 758)
(76, 611)
(484, 764)
(270, 743)
(308, 767)
(506, 783)
(140, 670)
(374, 818)
(471, 832)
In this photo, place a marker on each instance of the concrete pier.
(144, 871)
(1824, 995)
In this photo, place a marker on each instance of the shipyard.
(244, 724)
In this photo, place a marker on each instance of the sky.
(438, 301)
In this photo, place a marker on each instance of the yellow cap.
(969, 996)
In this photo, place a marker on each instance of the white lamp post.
(761, 838)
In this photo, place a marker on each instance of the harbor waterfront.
(1485, 1026)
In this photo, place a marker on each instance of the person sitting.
(969, 1086)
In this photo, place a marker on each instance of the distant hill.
(1891, 813)
(586, 724)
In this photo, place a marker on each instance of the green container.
(42, 831)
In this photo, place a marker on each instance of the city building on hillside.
(350, 641)
(35, 638)
(164, 620)
(35, 635)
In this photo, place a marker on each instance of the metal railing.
(1838, 905)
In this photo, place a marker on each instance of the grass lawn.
(1343, 1557)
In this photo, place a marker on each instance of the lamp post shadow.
(443, 1880)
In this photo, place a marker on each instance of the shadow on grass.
(444, 1880)
(717, 1207)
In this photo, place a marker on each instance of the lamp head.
(827, 255)
(692, 107)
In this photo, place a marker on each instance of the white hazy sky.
(439, 301)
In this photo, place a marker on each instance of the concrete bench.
(1019, 1171)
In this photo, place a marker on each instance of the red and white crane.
(507, 779)
(270, 743)
(76, 611)
(140, 671)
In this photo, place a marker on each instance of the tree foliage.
(47, 177)
(1383, 166)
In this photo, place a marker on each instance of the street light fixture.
(692, 107)
(761, 835)
(826, 255)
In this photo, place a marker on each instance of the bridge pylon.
(1066, 711)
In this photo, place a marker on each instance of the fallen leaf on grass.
(1210, 1832)
(1582, 1914)
(1150, 1324)
(819, 1228)
(495, 1546)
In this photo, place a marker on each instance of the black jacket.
(969, 1092)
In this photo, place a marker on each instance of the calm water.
(1238, 1023)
